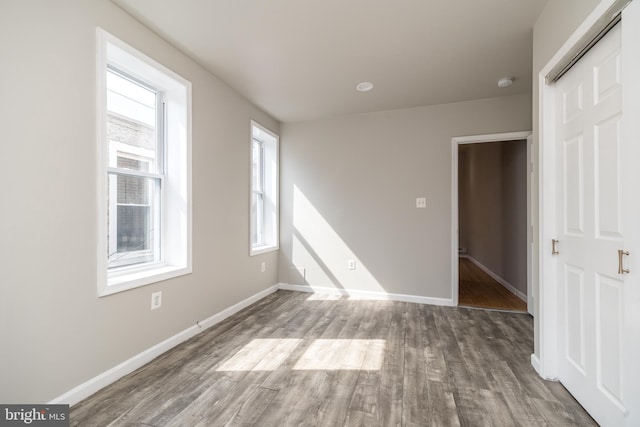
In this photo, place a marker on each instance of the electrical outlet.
(156, 300)
(263, 266)
(351, 264)
(421, 202)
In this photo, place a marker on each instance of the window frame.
(173, 168)
(258, 228)
(269, 221)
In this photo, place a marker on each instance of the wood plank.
(483, 408)
(415, 385)
(250, 411)
(478, 289)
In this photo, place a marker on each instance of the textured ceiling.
(301, 59)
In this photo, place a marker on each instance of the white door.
(597, 200)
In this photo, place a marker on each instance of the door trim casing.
(545, 358)
(476, 139)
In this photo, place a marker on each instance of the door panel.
(589, 215)
(607, 78)
(573, 187)
(574, 309)
(609, 319)
(607, 174)
(572, 103)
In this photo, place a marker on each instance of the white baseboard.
(88, 388)
(535, 362)
(367, 294)
(508, 286)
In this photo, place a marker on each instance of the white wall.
(348, 190)
(556, 23)
(55, 332)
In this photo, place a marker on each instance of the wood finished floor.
(297, 359)
(478, 289)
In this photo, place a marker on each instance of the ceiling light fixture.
(364, 86)
(505, 82)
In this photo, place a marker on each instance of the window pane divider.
(131, 172)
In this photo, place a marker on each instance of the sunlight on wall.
(322, 354)
(323, 255)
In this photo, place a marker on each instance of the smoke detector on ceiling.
(364, 86)
(505, 82)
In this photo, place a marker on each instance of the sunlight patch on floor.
(322, 294)
(321, 355)
(342, 354)
(261, 355)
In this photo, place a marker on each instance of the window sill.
(128, 280)
(263, 249)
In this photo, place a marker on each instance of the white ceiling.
(301, 59)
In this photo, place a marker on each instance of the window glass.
(264, 190)
(133, 220)
(134, 147)
(132, 118)
(257, 166)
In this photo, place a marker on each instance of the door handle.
(621, 254)
(554, 246)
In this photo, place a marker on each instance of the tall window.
(144, 158)
(257, 202)
(264, 190)
(136, 143)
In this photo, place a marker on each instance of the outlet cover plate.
(156, 300)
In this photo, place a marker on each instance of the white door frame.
(545, 361)
(476, 139)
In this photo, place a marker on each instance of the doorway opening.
(491, 237)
